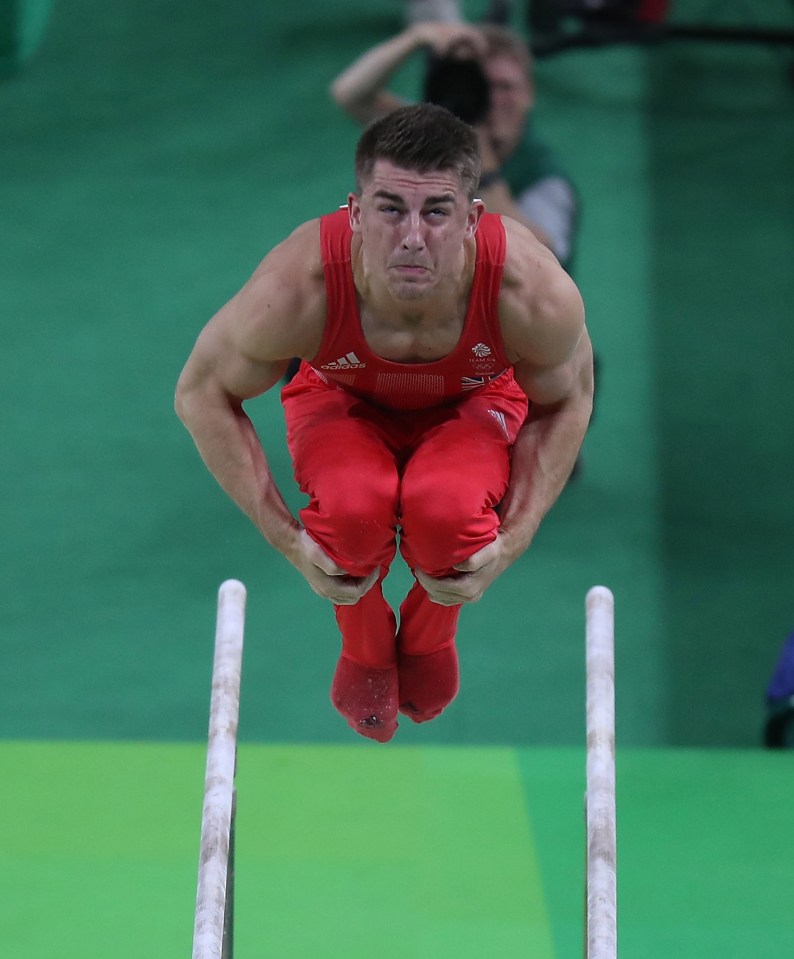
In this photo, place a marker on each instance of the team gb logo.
(480, 350)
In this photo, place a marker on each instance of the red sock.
(427, 659)
(366, 698)
(428, 683)
(364, 690)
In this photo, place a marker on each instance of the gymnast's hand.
(326, 577)
(475, 575)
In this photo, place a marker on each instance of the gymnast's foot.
(428, 683)
(367, 698)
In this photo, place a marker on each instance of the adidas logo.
(348, 362)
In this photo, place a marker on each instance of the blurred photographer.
(484, 74)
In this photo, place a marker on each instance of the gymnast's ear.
(354, 210)
(476, 210)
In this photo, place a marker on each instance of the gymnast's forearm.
(543, 457)
(357, 89)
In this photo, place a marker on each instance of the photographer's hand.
(445, 38)
(361, 90)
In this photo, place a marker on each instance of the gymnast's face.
(413, 229)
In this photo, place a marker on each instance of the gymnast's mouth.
(411, 269)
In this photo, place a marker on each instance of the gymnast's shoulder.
(282, 306)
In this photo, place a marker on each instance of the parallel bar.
(219, 800)
(601, 932)
(227, 952)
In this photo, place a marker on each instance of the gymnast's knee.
(359, 519)
(441, 528)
